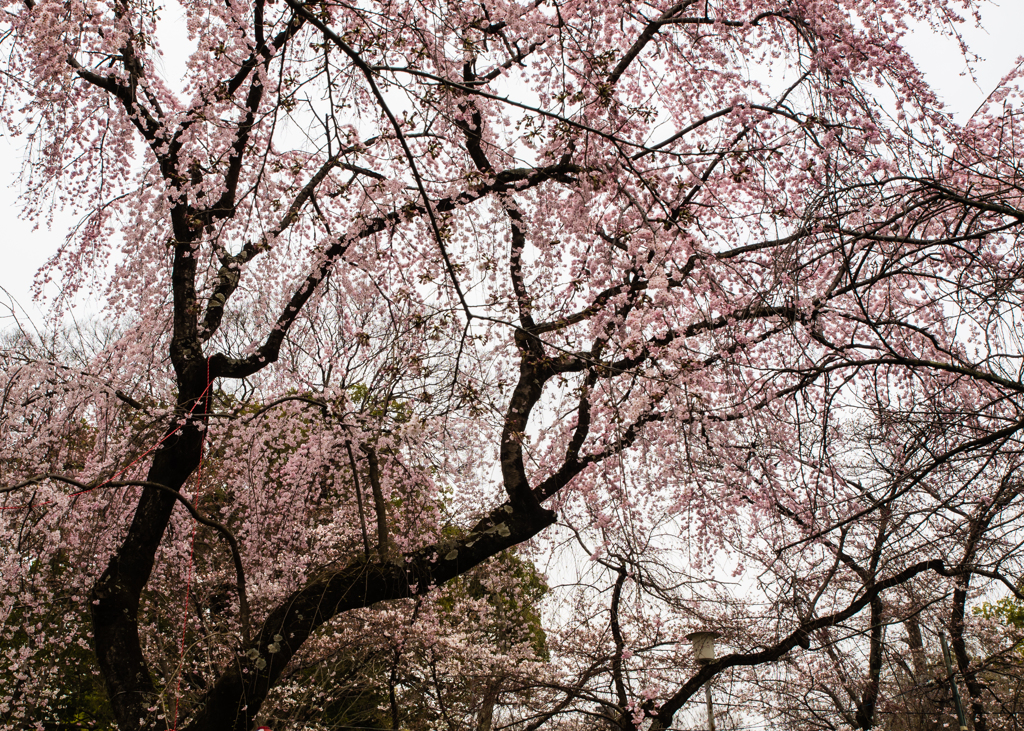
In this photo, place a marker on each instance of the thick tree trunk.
(865, 717)
(117, 594)
(963, 661)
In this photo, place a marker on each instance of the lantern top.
(704, 644)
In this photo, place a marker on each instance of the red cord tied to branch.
(192, 546)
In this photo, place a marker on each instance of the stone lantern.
(704, 653)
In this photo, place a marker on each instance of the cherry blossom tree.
(394, 288)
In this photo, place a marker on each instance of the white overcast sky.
(25, 248)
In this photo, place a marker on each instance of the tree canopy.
(457, 360)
